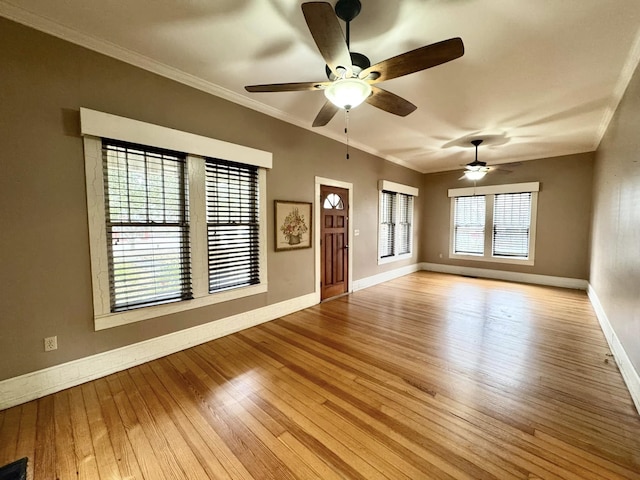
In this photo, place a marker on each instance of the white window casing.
(489, 193)
(393, 222)
(98, 125)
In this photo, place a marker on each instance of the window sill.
(481, 258)
(395, 258)
(110, 320)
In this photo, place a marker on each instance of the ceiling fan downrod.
(477, 144)
(347, 10)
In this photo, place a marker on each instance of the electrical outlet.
(50, 343)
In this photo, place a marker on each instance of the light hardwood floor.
(427, 376)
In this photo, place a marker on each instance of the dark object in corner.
(14, 471)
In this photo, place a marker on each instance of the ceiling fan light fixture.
(347, 93)
(474, 174)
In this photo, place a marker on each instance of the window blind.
(147, 225)
(232, 224)
(387, 224)
(405, 214)
(469, 225)
(511, 220)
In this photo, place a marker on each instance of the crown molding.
(630, 66)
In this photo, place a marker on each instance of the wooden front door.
(334, 241)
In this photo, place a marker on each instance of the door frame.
(340, 184)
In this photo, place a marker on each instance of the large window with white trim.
(494, 223)
(176, 221)
(395, 228)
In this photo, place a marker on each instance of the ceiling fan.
(351, 77)
(476, 169)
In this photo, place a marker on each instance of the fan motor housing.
(358, 61)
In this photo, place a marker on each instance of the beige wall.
(615, 257)
(564, 209)
(45, 279)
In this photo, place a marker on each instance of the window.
(469, 225)
(395, 230)
(171, 227)
(511, 222)
(232, 225)
(147, 226)
(405, 217)
(494, 223)
(333, 201)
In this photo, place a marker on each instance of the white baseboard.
(548, 280)
(384, 277)
(629, 374)
(30, 386)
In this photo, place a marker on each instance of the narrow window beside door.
(395, 228)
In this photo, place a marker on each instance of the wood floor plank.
(355, 440)
(153, 421)
(27, 439)
(85, 456)
(192, 404)
(375, 415)
(9, 434)
(264, 427)
(428, 376)
(123, 452)
(65, 449)
(166, 424)
(104, 454)
(198, 443)
(44, 461)
(145, 455)
(600, 467)
(305, 384)
(255, 455)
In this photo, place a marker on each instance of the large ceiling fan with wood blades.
(351, 77)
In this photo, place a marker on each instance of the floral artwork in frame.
(293, 225)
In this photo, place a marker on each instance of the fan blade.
(390, 102)
(326, 113)
(287, 87)
(415, 60)
(327, 33)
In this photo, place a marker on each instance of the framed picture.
(293, 225)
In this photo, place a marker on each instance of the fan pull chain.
(346, 129)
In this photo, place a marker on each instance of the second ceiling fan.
(351, 77)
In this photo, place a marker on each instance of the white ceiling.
(538, 78)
